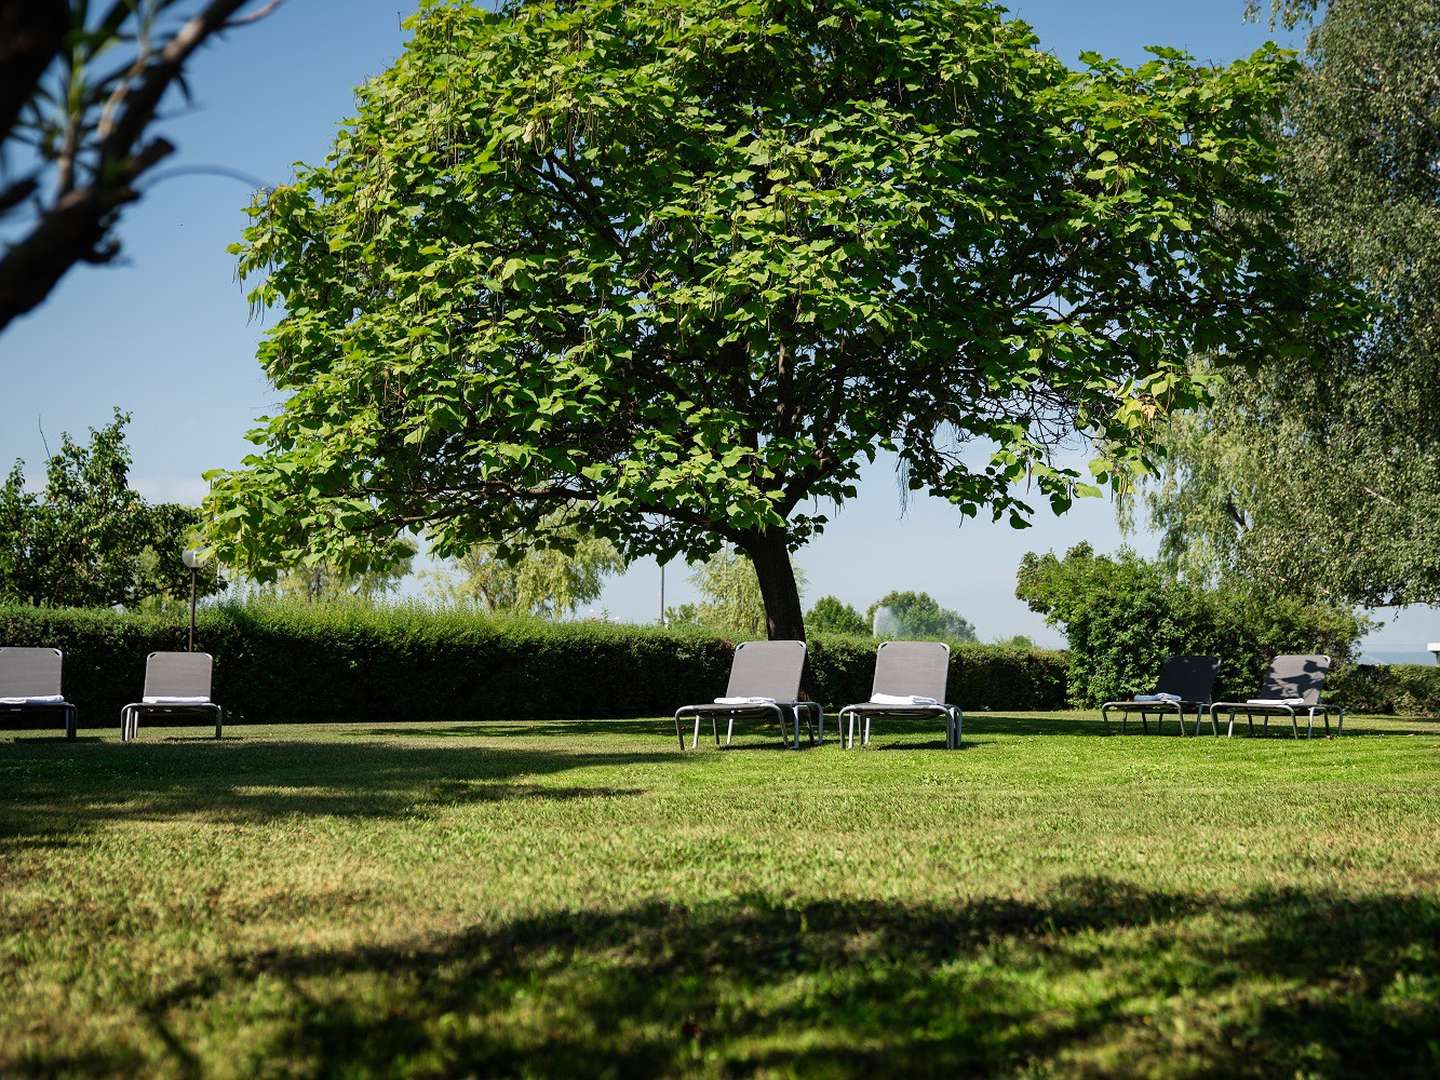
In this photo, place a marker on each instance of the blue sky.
(168, 336)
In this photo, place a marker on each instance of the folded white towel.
(901, 699)
(1157, 697)
(52, 699)
(744, 701)
(176, 701)
(1275, 701)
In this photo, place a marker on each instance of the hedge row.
(292, 663)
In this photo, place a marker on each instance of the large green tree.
(919, 615)
(1323, 479)
(682, 267)
(87, 539)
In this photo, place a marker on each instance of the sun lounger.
(1185, 685)
(910, 679)
(1294, 683)
(175, 683)
(764, 682)
(30, 683)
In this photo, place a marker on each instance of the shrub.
(1402, 689)
(301, 663)
(831, 615)
(1123, 616)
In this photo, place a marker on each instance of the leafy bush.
(308, 663)
(1401, 689)
(1123, 616)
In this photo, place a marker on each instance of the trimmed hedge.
(293, 663)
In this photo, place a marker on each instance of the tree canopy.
(832, 615)
(87, 539)
(1323, 478)
(681, 268)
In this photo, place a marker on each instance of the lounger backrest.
(767, 669)
(178, 674)
(1297, 676)
(912, 667)
(29, 672)
(1192, 678)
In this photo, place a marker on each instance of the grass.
(561, 899)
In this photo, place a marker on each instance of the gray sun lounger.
(30, 683)
(175, 683)
(907, 669)
(1294, 677)
(1189, 678)
(761, 669)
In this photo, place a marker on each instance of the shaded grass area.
(584, 899)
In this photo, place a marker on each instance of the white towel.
(1158, 697)
(176, 701)
(52, 699)
(901, 699)
(1275, 701)
(744, 701)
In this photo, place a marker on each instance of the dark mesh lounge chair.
(30, 683)
(1190, 679)
(761, 669)
(1294, 682)
(907, 669)
(175, 683)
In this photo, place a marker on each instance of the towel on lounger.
(744, 701)
(176, 701)
(1275, 701)
(901, 699)
(52, 699)
(1173, 698)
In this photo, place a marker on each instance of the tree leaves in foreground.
(80, 87)
(681, 269)
(88, 539)
(1323, 479)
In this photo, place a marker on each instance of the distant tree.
(919, 615)
(731, 602)
(88, 539)
(548, 581)
(1320, 476)
(78, 94)
(1016, 641)
(323, 584)
(686, 268)
(832, 615)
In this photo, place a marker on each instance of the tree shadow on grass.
(1094, 976)
(64, 794)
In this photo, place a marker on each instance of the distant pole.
(662, 594)
(193, 557)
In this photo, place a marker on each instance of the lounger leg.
(715, 728)
(1294, 727)
(219, 721)
(865, 739)
(730, 729)
(821, 710)
(71, 722)
(849, 733)
(1310, 731)
(1144, 723)
(1105, 719)
(695, 737)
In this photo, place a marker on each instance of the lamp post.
(193, 558)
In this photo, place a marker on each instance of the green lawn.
(562, 898)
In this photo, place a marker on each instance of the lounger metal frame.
(1180, 675)
(1293, 676)
(35, 672)
(920, 668)
(771, 669)
(173, 674)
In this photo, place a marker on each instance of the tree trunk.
(771, 556)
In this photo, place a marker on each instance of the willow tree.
(679, 267)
